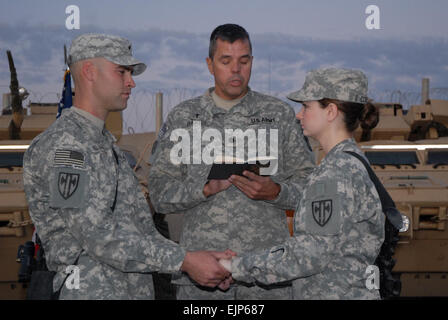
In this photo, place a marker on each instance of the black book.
(223, 168)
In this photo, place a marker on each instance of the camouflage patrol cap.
(331, 83)
(112, 48)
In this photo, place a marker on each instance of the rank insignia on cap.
(69, 158)
(322, 211)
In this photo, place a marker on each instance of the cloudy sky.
(289, 38)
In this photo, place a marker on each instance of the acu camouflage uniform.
(338, 233)
(338, 223)
(229, 219)
(84, 197)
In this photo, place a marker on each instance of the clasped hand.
(205, 268)
(215, 268)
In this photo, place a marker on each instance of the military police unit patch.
(67, 184)
(68, 187)
(322, 211)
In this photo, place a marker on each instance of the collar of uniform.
(348, 144)
(208, 104)
(223, 103)
(95, 120)
(86, 122)
(246, 107)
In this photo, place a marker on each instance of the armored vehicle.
(409, 153)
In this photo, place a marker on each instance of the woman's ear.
(332, 112)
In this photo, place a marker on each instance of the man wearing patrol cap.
(339, 223)
(115, 49)
(83, 196)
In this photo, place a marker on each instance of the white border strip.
(14, 147)
(405, 147)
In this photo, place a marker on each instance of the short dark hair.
(227, 32)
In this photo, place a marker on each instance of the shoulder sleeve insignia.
(67, 184)
(68, 188)
(322, 211)
(71, 158)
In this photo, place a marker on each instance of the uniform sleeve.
(174, 187)
(309, 251)
(298, 163)
(71, 192)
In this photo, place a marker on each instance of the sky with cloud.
(289, 37)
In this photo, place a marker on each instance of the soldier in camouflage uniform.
(338, 223)
(246, 215)
(85, 200)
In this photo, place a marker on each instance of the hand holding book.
(256, 187)
(224, 167)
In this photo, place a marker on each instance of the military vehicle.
(15, 224)
(409, 153)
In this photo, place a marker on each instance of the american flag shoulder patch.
(72, 158)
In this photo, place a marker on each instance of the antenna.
(65, 55)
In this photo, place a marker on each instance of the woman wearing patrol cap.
(338, 223)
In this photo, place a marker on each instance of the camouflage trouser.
(235, 292)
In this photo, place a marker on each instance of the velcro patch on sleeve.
(68, 188)
(68, 158)
(323, 209)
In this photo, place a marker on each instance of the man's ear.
(210, 65)
(88, 70)
(332, 111)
